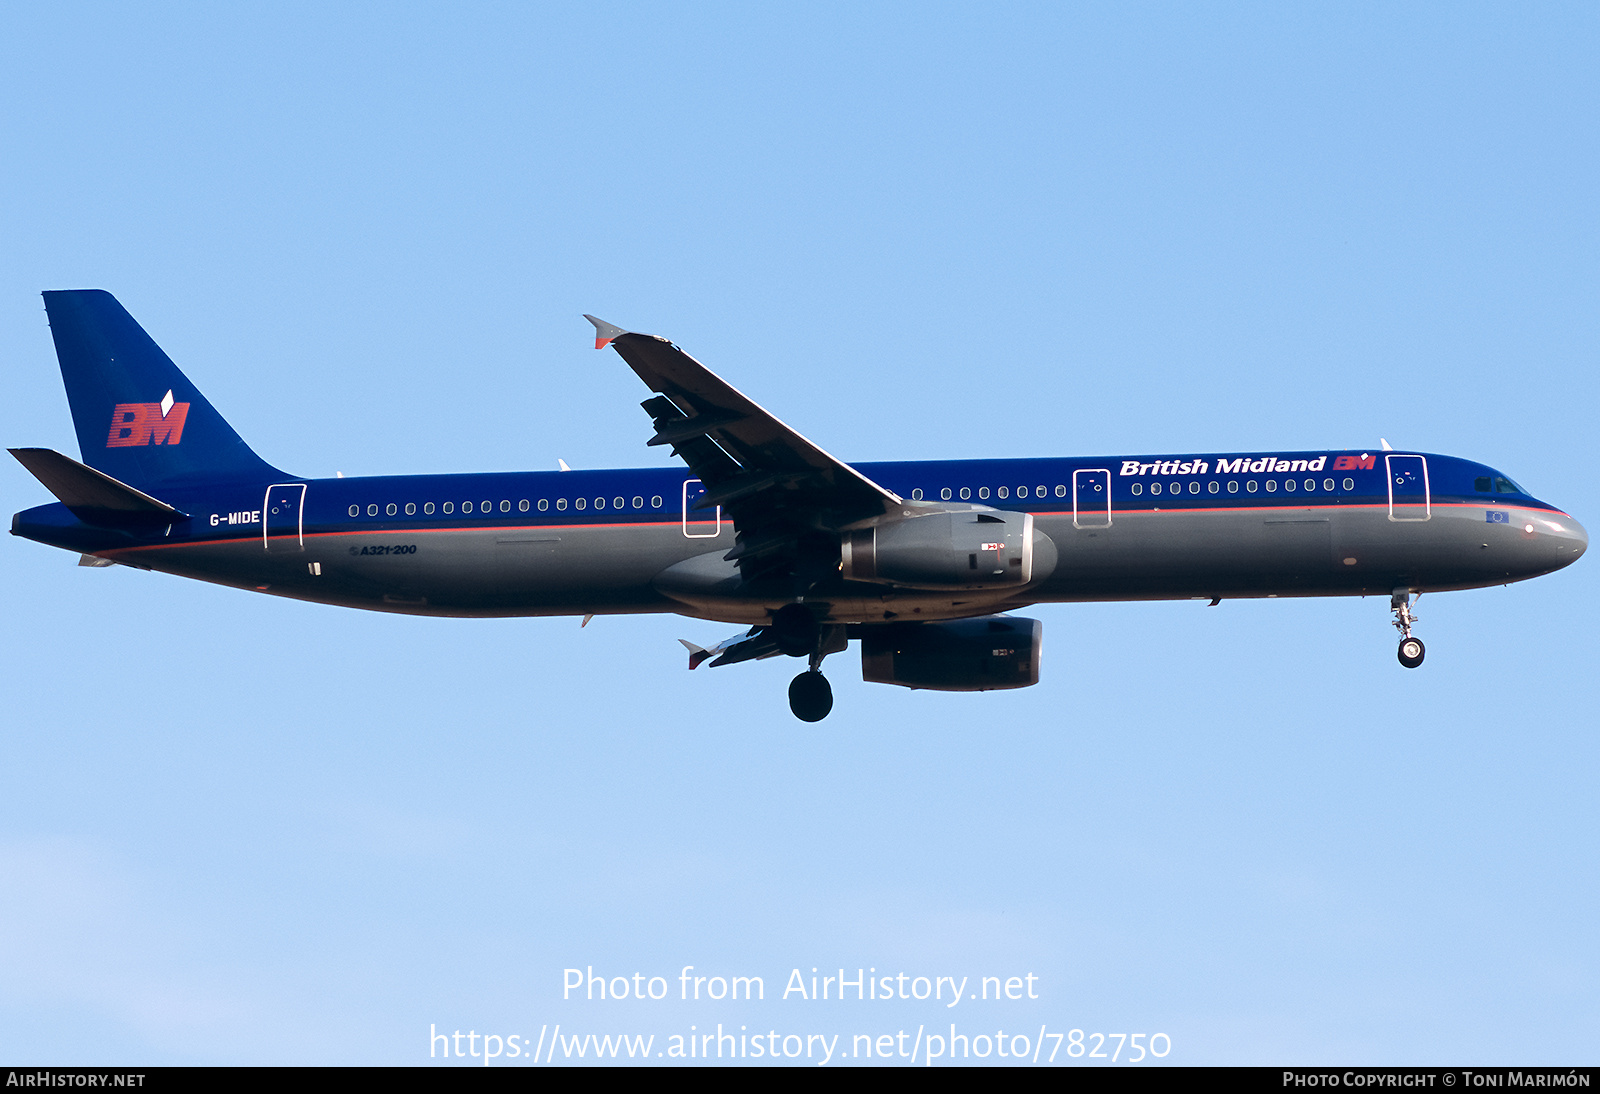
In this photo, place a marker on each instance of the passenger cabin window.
(916, 495)
(522, 506)
(390, 509)
(561, 503)
(638, 503)
(449, 507)
(466, 507)
(655, 502)
(1155, 488)
(1212, 486)
(1194, 486)
(1002, 493)
(372, 510)
(1250, 487)
(1233, 487)
(966, 492)
(427, 507)
(983, 492)
(579, 503)
(1272, 486)
(1137, 488)
(544, 504)
(411, 508)
(1327, 484)
(1349, 484)
(616, 503)
(1061, 491)
(944, 495)
(1288, 484)
(355, 510)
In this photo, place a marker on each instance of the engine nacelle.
(990, 653)
(978, 549)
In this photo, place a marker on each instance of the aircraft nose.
(1580, 540)
(1570, 538)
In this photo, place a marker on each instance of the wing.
(786, 496)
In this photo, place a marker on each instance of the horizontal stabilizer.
(92, 495)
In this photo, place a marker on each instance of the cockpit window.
(1503, 485)
(1483, 485)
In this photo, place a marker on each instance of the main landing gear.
(799, 634)
(810, 696)
(1411, 649)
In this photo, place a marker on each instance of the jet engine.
(989, 653)
(979, 549)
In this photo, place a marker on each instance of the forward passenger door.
(1408, 488)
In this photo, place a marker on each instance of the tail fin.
(138, 418)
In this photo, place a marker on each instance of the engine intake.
(961, 550)
(991, 653)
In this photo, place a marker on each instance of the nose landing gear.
(1411, 649)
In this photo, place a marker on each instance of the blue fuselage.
(581, 542)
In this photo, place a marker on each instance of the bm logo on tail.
(135, 424)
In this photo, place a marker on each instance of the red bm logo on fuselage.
(147, 423)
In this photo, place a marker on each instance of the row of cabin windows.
(1250, 486)
(448, 508)
(1001, 492)
(1214, 487)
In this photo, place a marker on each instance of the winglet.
(603, 332)
(697, 654)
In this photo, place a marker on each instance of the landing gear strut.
(1411, 649)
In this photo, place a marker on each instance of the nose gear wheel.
(1411, 649)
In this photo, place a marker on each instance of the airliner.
(924, 564)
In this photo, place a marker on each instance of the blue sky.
(239, 829)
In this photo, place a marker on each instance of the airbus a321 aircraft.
(920, 562)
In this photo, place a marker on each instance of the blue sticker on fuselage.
(1497, 516)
